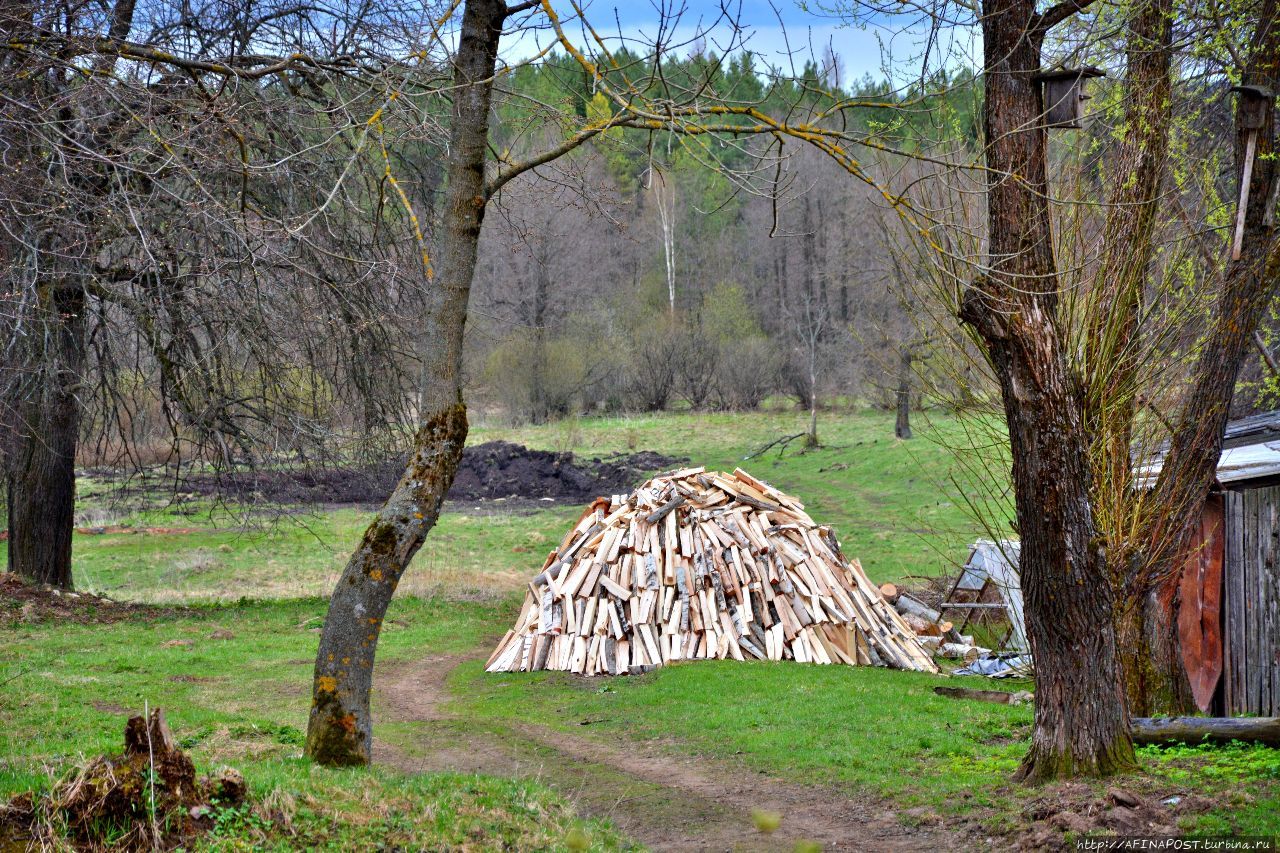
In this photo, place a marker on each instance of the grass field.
(896, 506)
(233, 671)
(485, 552)
(234, 682)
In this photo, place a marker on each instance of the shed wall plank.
(1233, 607)
(1270, 591)
(1251, 556)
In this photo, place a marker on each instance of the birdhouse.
(1064, 95)
(1253, 105)
(1251, 118)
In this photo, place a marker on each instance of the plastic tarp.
(998, 561)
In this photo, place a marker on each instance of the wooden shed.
(1229, 620)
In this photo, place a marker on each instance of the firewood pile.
(700, 565)
(937, 635)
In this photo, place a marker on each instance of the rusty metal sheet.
(1200, 606)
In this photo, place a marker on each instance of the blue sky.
(780, 34)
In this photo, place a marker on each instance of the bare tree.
(809, 316)
(1060, 417)
(340, 727)
(154, 198)
(664, 194)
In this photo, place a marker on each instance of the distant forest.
(649, 269)
(256, 290)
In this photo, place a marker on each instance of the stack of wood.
(696, 565)
(934, 633)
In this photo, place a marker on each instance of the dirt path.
(667, 802)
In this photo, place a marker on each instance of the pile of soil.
(1144, 808)
(147, 798)
(21, 601)
(496, 469)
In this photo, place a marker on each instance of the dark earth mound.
(21, 601)
(496, 469)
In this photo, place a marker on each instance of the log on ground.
(1164, 731)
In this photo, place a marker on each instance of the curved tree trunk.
(40, 470)
(1248, 288)
(1081, 725)
(340, 730)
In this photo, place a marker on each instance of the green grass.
(895, 505)
(386, 811)
(243, 701)
(859, 728)
(1249, 776)
(73, 684)
(304, 555)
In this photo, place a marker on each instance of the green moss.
(381, 539)
(334, 738)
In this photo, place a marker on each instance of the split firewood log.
(696, 565)
(955, 651)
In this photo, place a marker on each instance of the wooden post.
(1252, 108)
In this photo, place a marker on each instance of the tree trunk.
(1113, 356)
(1081, 725)
(811, 438)
(1190, 466)
(340, 730)
(40, 475)
(539, 402)
(902, 428)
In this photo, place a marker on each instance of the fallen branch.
(1000, 697)
(784, 441)
(1163, 731)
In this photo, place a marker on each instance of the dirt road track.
(666, 802)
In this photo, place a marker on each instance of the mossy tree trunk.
(1081, 724)
(340, 730)
(1247, 289)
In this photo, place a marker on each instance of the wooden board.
(1199, 608)
(1251, 603)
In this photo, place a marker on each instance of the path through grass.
(235, 678)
